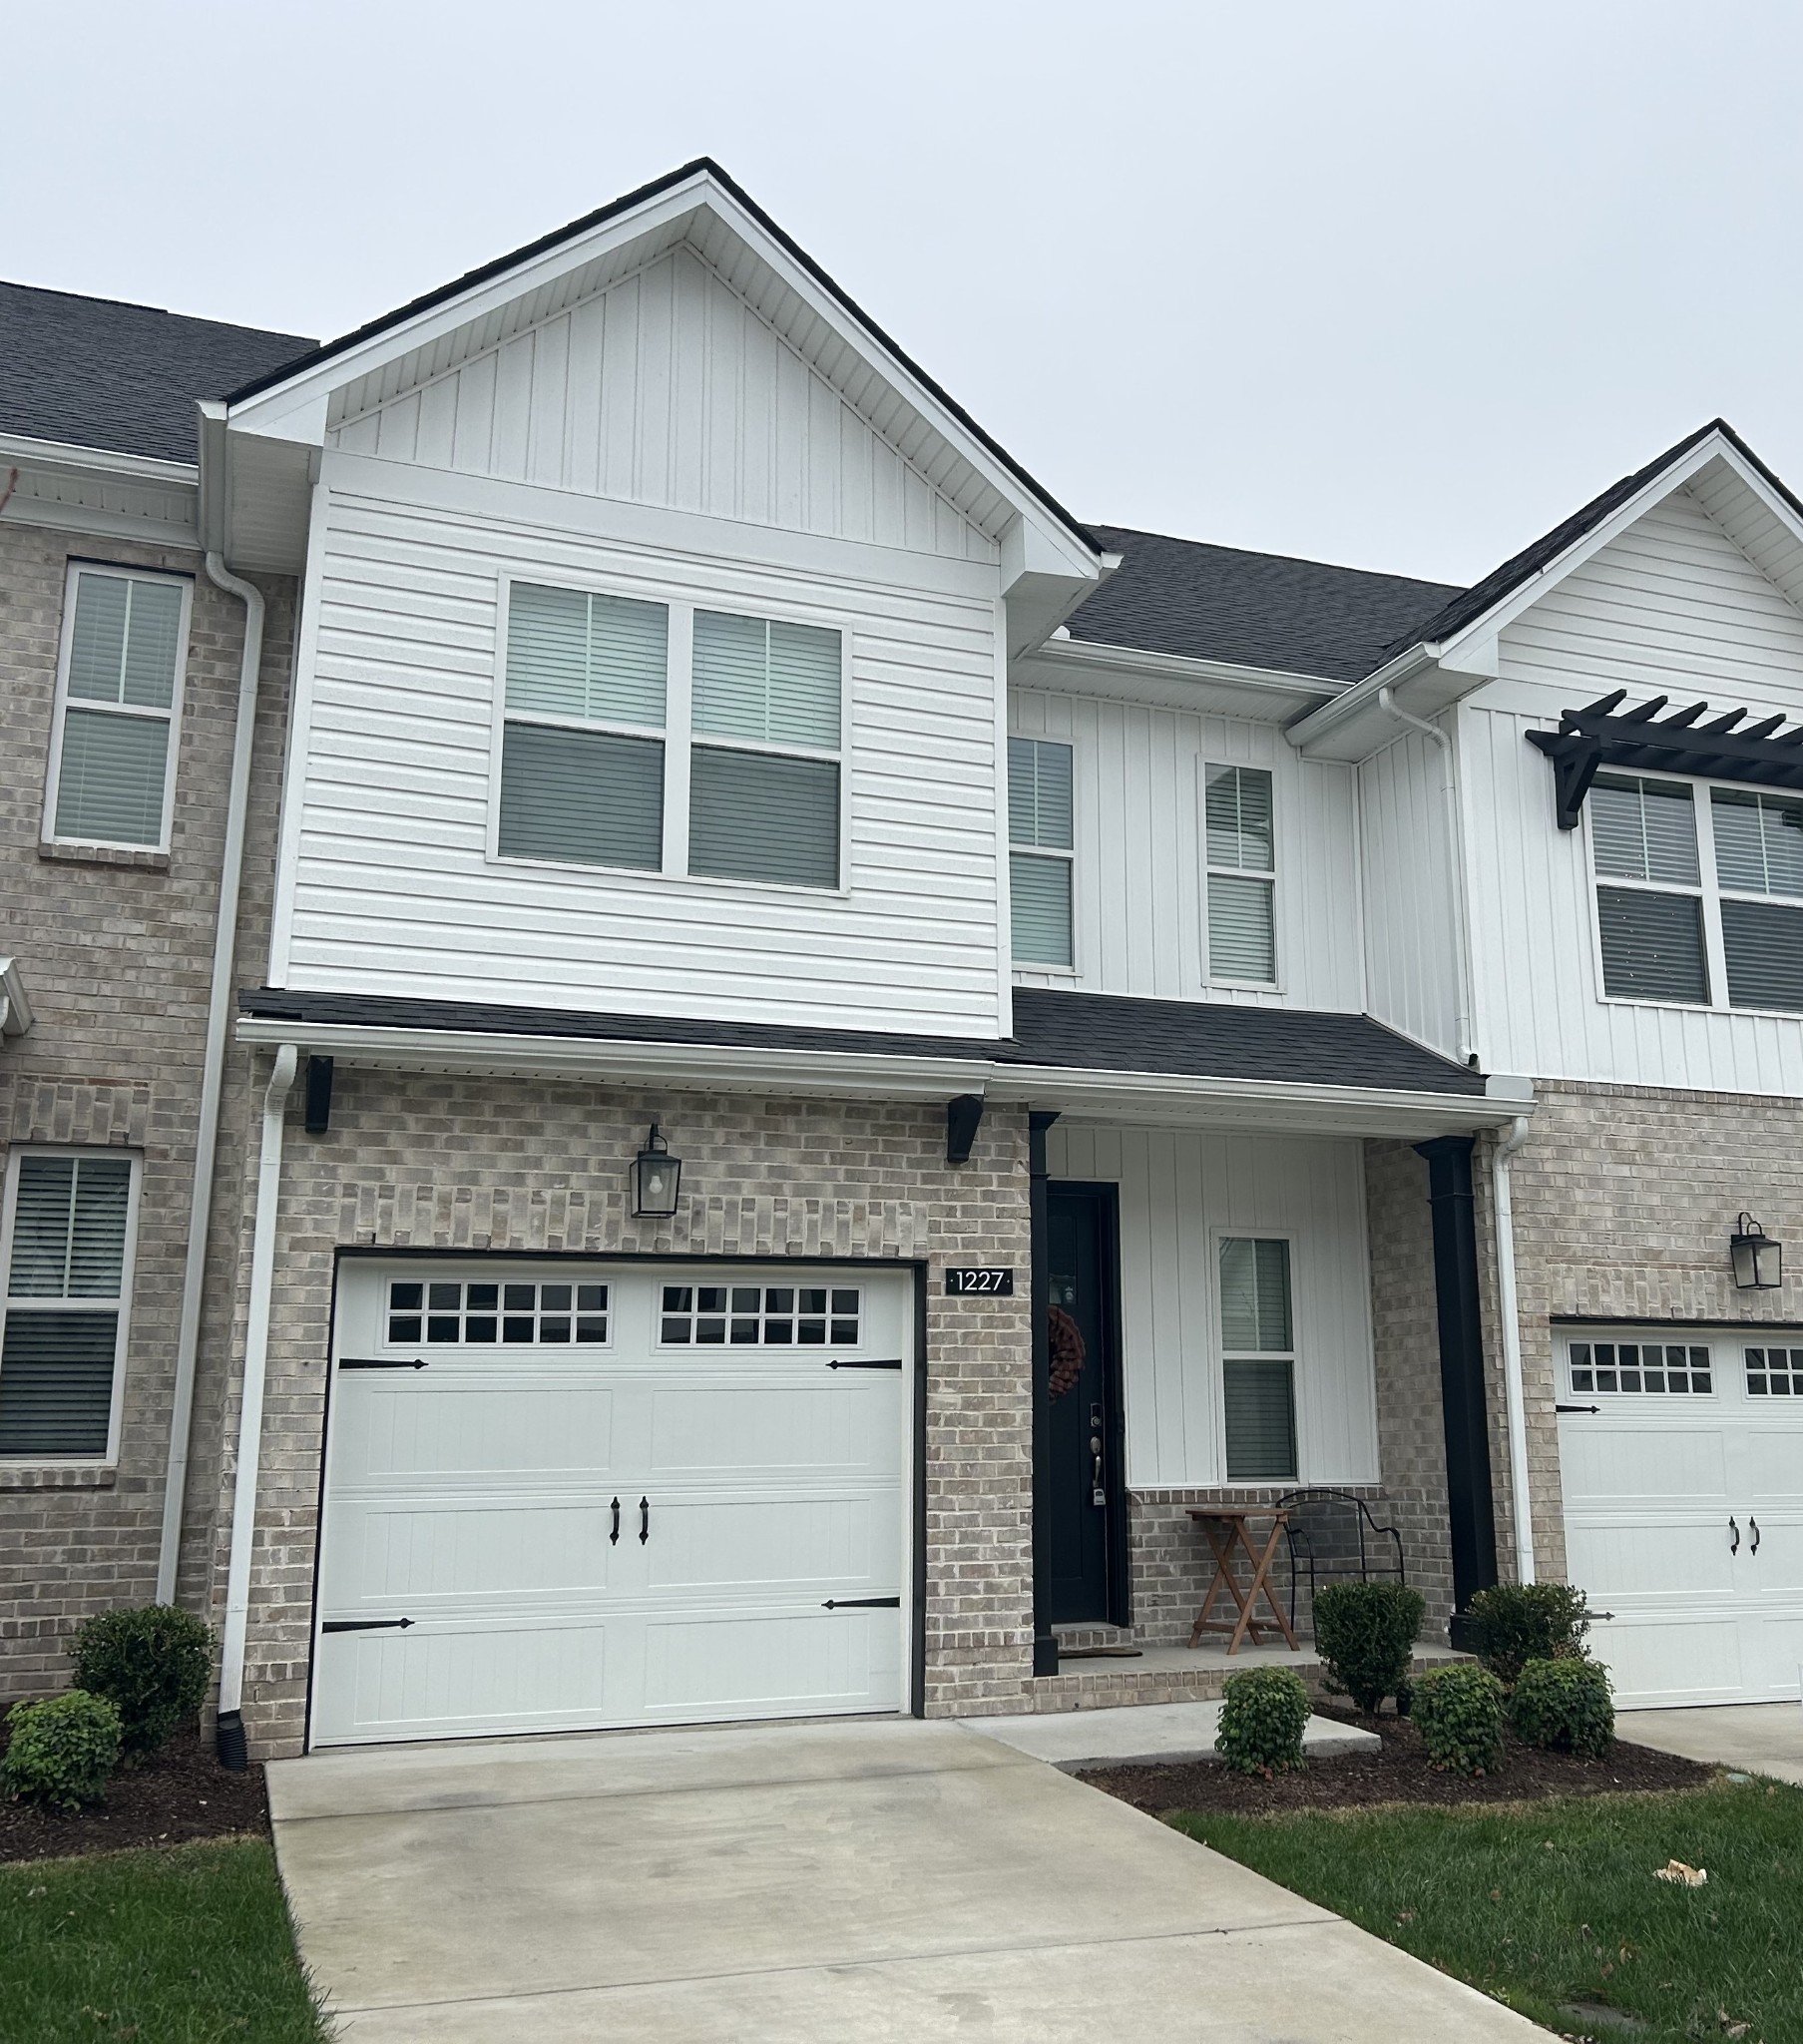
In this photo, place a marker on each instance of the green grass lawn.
(183, 1944)
(1546, 1905)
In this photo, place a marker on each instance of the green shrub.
(1261, 1719)
(152, 1662)
(1459, 1714)
(1520, 1622)
(1366, 1632)
(1565, 1704)
(61, 1749)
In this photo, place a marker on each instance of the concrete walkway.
(1152, 1734)
(1762, 1738)
(865, 1879)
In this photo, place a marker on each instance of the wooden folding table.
(1225, 1526)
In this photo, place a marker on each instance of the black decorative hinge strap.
(365, 1625)
(888, 1362)
(378, 1362)
(862, 1604)
(1578, 1408)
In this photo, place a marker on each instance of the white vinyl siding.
(1411, 909)
(1258, 1358)
(66, 1248)
(1041, 834)
(118, 702)
(1241, 838)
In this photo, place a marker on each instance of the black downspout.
(1470, 1509)
(1045, 1642)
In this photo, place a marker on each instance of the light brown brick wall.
(117, 958)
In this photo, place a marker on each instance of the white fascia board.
(65, 458)
(1081, 666)
(15, 1006)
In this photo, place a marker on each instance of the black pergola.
(1724, 749)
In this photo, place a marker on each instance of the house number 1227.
(997, 1281)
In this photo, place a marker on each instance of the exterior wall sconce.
(1758, 1261)
(656, 1176)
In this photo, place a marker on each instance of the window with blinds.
(1759, 876)
(66, 1254)
(1649, 902)
(1241, 874)
(118, 701)
(1042, 851)
(1258, 1358)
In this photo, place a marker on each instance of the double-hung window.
(1258, 1358)
(605, 751)
(117, 705)
(1242, 885)
(1040, 850)
(1759, 878)
(66, 1248)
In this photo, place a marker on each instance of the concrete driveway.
(832, 1882)
(1764, 1738)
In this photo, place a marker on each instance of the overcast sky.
(1393, 284)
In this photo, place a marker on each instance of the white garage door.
(1682, 1469)
(560, 1497)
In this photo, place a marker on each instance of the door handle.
(1097, 1494)
(1734, 1539)
(613, 1537)
(645, 1520)
(1754, 1528)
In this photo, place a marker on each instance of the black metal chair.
(1333, 1538)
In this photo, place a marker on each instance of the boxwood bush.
(1458, 1710)
(152, 1662)
(1366, 1632)
(1515, 1623)
(61, 1749)
(1565, 1705)
(1261, 1719)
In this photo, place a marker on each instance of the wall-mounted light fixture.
(656, 1176)
(1758, 1261)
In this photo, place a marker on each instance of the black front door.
(1088, 1521)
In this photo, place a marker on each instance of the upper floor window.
(1704, 917)
(666, 739)
(65, 1245)
(1242, 924)
(118, 702)
(1041, 839)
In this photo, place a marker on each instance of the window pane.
(123, 640)
(1039, 792)
(1261, 1421)
(1652, 945)
(1237, 807)
(572, 653)
(109, 783)
(1242, 938)
(56, 1382)
(1758, 841)
(582, 794)
(97, 638)
(758, 816)
(68, 1228)
(1764, 946)
(758, 679)
(152, 637)
(1041, 892)
(1255, 1295)
(1644, 830)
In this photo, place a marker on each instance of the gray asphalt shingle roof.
(95, 372)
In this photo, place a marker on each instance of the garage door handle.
(378, 1362)
(1753, 1527)
(862, 1604)
(613, 1537)
(645, 1520)
(1734, 1538)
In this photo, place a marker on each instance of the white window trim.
(8, 1209)
(1707, 888)
(1224, 1355)
(1212, 978)
(1034, 965)
(677, 733)
(48, 833)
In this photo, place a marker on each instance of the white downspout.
(212, 1068)
(251, 1414)
(1508, 1314)
(1455, 850)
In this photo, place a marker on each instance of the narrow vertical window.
(1258, 1358)
(66, 1256)
(1041, 838)
(113, 750)
(1650, 907)
(1759, 873)
(582, 748)
(1243, 926)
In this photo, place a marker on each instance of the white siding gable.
(1411, 938)
(667, 388)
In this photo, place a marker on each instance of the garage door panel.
(436, 1680)
(846, 1544)
(832, 1424)
(1629, 1557)
(407, 1430)
(1774, 1460)
(456, 1549)
(713, 1665)
(1775, 1653)
(1632, 1464)
(1669, 1658)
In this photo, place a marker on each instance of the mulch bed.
(1399, 1774)
(179, 1794)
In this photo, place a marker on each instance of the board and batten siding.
(666, 388)
(1672, 607)
(1138, 889)
(388, 887)
(1179, 1191)
(1411, 935)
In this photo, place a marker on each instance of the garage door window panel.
(1667, 1368)
(505, 1312)
(760, 1316)
(1774, 1372)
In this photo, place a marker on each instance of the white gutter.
(250, 1411)
(1449, 789)
(212, 1069)
(1508, 1313)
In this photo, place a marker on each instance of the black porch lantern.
(1758, 1261)
(656, 1176)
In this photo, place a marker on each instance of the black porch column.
(1470, 1506)
(1044, 1642)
